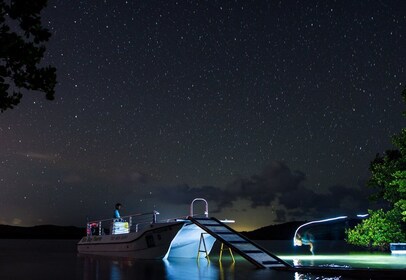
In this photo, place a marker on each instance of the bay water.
(40, 259)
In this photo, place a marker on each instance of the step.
(252, 251)
(270, 262)
(236, 241)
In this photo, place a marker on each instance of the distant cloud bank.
(279, 187)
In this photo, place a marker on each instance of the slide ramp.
(239, 243)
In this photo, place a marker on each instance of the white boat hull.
(188, 243)
(159, 241)
(150, 243)
(398, 248)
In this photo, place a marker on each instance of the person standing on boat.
(117, 211)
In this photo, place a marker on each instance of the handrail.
(134, 222)
(206, 212)
(124, 217)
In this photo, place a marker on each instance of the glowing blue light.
(295, 243)
(362, 215)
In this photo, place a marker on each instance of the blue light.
(362, 215)
(297, 243)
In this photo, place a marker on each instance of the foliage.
(387, 170)
(21, 51)
(388, 173)
(388, 176)
(382, 170)
(376, 232)
(400, 183)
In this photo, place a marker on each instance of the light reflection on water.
(98, 267)
(115, 268)
(330, 253)
(185, 269)
(350, 261)
(58, 259)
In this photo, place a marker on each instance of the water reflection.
(307, 276)
(371, 260)
(118, 268)
(202, 269)
(100, 267)
(241, 269)
(58, 259)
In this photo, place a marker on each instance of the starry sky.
(271, 110)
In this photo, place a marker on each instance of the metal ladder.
(239, 243)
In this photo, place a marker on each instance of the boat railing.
(137, 222)
(125, 224)
(183, 218)
(206, 212)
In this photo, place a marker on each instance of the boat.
(397, 248)
(142, 236)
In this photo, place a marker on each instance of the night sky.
(271, 110)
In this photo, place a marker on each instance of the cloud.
(280, 216)
(280, 187)
(286, 190)
(264, 188)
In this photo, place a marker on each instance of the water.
(337, 253)
(58, 259)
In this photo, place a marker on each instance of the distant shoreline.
(41, 232)
(284, 231)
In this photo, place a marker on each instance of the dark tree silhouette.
(22, 47)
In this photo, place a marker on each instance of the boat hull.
(398, 248)
(151, 243)
(190, 242)
(181, 239)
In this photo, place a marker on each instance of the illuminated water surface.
(350, 261)
(58, 259)
(334, 253)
